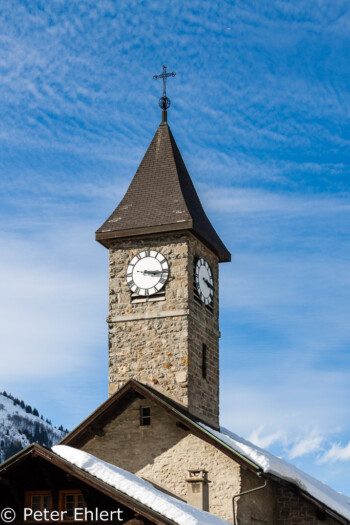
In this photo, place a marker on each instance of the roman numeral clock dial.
(147, 273)
(204, 281)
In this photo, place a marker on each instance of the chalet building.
(154, 450)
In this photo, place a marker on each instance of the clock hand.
(150, 272)
(208, 283)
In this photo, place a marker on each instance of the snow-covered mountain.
(21, 425)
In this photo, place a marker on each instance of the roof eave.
(293, 486)
(108, 236)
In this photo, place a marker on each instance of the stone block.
(181, 377)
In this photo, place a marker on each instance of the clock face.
(204, 281)
(147, 273)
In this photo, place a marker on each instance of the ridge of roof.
(161, 198)
(107, 410)
(30, 449)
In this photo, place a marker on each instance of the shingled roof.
(161, 198)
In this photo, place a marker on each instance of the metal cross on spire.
(164, 101)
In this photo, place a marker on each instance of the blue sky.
(260, 108)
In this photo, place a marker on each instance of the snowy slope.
(284, 470)
(18, 429)
(142, 491)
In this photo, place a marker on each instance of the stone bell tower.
(163, 284)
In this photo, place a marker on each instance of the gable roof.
(117, 403)
(126, 488)
(243, 452)
(161, 198)
(140, 490)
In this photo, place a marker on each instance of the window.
(38, 500)
(70, 500)
(158, 296)
(204, 361)
(145, 416)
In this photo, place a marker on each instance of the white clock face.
(204, 281)
(147, 273)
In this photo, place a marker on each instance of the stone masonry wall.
(147, 342)
(293, 509)
(203, 393)
(160, 343)
(259, 507)
(163, 453)
(276, 505)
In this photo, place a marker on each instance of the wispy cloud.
(309, 444)
(52, 305)
(292, 443)
(239, 201)
(337, 452)
(267, 440)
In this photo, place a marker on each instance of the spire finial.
(164, 101)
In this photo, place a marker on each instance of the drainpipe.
(243, 494)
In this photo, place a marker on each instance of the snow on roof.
(284, 470)
(138, 489)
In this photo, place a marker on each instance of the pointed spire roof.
(161, 198)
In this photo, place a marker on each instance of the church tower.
(164, 284)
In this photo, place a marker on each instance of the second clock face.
(204, 281)
(147, 272)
